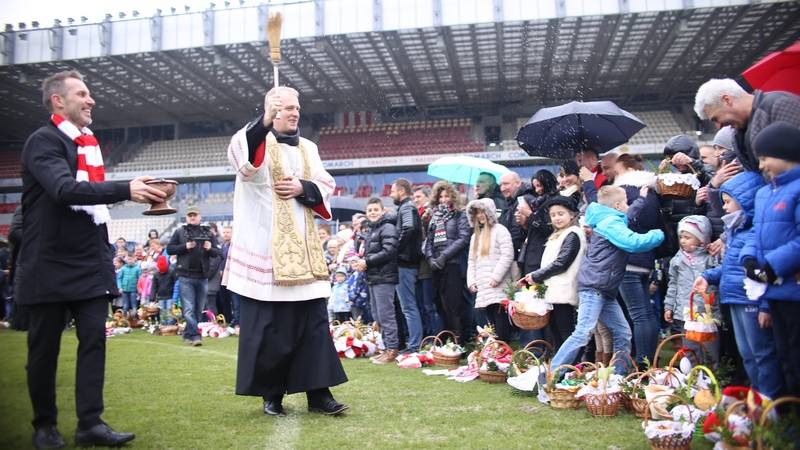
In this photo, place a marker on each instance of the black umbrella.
(560, 131)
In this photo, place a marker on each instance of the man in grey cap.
(194, 245)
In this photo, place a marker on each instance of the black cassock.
(285, 348)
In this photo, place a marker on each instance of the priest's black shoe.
(274, 408)
(47, 437)
(101, 435)
(329, 407)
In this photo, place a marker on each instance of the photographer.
(194, 245)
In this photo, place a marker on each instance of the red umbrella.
(778, 71)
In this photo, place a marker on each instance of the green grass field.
(173, 396)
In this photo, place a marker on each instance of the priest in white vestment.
(276, 264)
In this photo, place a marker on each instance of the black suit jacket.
(64, 256)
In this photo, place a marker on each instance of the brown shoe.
(388, 357)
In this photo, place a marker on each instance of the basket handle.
(426, 339)
(627, 356)
(446, 332)
(647, 408)
(661, 346)
(551, 374)
(523, 352)
(698, 368)
(539, 343)
(765, 415)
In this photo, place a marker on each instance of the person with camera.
(194, 245)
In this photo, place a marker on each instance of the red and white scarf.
(90, 164)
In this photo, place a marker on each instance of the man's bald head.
(509, 184)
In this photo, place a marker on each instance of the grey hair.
(710, 94)
(284, 90)
(54, 84)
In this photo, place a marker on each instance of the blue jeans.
(757, 347)
(431, 322)
(193, 299)
(408, 303)
(165, 312)
(593, 306)
(129, 302)
(235, 300)
(645, 323)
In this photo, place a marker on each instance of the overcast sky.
(45, 11)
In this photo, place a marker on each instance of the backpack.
(669, 246)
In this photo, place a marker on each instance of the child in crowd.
(144, 287)
(163, 285)
(358, 293)
(489, 264)
(380, 265)
(771, 254)
(756, 343)
(561, 260)
(692, 259)
(339, 303)
(119, 263)
(128, 278)
(601, 272)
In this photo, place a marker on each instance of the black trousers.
(47, 322)
(448, 295)
(562, 322)
(498, 317)
(285, 348)
(786, 329)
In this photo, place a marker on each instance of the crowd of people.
(620, 260)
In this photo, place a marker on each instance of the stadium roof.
(509, 67)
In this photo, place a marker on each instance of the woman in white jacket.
(561, 259)
(491, 258)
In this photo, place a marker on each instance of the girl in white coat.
(561, 259)
(491, 258)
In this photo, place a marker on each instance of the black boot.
(322, 401)
(273, 406)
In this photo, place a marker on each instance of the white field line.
(182, 348)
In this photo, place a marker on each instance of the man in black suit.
(65, 258)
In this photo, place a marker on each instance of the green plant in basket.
(510, 289)
(780, 433)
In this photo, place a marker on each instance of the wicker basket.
(627, 400)
(763, 420)
(492, 376)
(677, 190)
(530, 321)
(168, 330)
(562, 398)
(674, 442)
(603, 405)
(526, 355)
(699, 336)
(442, 359)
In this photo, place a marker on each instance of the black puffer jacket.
(380, 250)
(539, 229)
(409, 234)
(508, 221)
(458, 234)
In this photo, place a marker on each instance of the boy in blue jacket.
(750, 320)
(772, 253)
(602, 270)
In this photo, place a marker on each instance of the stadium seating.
(398, 139)
(661, 126)
(135, 229)
(179, 154)
(10, 164)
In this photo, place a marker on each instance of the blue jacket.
(339, 301)
(609, 245)
(128, 277)
(730, 275)
(776, 235)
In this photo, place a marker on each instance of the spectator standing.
(215, 279)
(643, 216)
(162, 288)
(358, 293)
(512, 188)
(128, 278)
(380, 265)
(486, 187)
(409, 254)
(489, 268)
(724, 102)
(771, 252)
(339, 302)
(445, 246)
(431, 321)
(227, 296)
(194, 245)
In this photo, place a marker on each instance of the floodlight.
(72, 31)
(9, 27)
(122, 15)
(35, 24)
(21, 26)
(70, 20)
(84, 19)
(135, 13)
